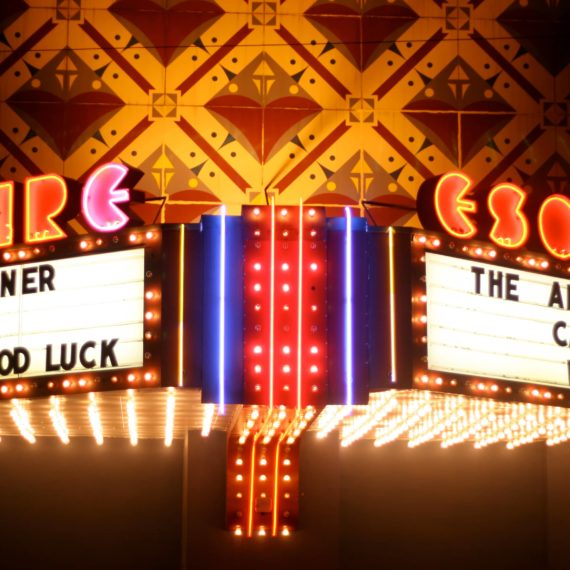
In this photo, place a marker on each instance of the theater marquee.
(71, 315)
(495, 321)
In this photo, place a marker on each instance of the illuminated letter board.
(489, 323)
(94, 313)
(70, 315)
(495, 321)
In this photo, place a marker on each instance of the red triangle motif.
(477, 129)
(247, 115)
(64, 121)
(441, 128)
(166, 28)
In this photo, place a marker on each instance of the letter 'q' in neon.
(101, 196)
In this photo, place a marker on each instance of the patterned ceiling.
(335, 102)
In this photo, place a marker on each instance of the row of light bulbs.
(421, 416)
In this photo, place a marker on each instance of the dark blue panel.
(232, 345)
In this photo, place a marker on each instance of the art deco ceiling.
(335, 102)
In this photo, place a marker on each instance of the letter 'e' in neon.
(554, 225)
(505, 202)
(451, 206)
(101, 196)
(6, 213)
(45, 198)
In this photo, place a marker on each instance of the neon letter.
(100, 196)
(45, 198)
(451, 205)
(6, 213)
(554, 225)
(505, 203)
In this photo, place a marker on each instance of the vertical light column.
(222, 315)
(132, 418)
(22, 420)
(95, 419)
(348, 309)
(392, 293)
(299, 312)
(169, 422)
(181, 308)
(272, 309)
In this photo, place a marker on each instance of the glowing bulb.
(286, 349)
(312, 212)
(286, 369)
(314, 350)
(313, 266)
(257, 287)
(256, 211)
(314, 369)
(286, 288)
(257, 266)
(285, 266)
(257, 349)
(284, 212)
(257, 368)
(263, 461)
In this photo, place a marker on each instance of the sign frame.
(164, 361)
(422, 242)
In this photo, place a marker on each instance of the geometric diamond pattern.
(334, 102)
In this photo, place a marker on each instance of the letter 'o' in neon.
(554, 225)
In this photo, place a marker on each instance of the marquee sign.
(72, 315)
(492, 321)
(93, 313)
(489, 324)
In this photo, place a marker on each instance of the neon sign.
(47, 203)
(444, 204)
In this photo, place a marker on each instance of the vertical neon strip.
(181, 308)
(392, 303)
(348, 308)
(251, 486)
(300, 306)
(272, 306)
(222, 323)
(276, 487)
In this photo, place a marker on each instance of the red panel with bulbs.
(284, 306)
